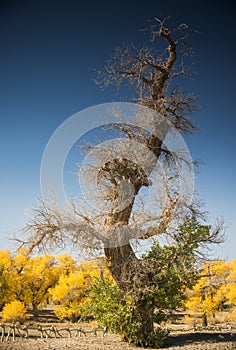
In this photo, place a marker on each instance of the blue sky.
(49, 51)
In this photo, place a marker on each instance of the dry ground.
(176, 341)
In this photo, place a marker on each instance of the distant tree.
(38, 276)
(68, 294)
(6, 276)
(231, 290)
(66, 264)
(71, 293)
(209, 295)
(20, 262)
(14, 312)
(150, 71)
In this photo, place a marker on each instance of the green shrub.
(116, 313)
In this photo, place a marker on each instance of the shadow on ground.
(198, 338)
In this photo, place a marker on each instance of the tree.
(116, 313)
(72, 290)
(20, 262)
(209, 295)
(38, 276)
(6, 294)
(14, 312)
(231, 292)
(69, 293)
(66, 264)
(26, 279)
(120, 181)
(172, 269)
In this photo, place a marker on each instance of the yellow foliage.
(216, 286)
(63, 311)
(7, 276)
(231, 290)
(72, 288)
(14, 311)
(66, 263)
(93, 324)
(34, 279)
(232, 275)
(68, 287)
(39, 275)
(5, 260)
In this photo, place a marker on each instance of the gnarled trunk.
(132, 279)
(129, 272)
(145, 313)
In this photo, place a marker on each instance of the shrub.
(14, 312)
(115, 312)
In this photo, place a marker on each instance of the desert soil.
(177, 341)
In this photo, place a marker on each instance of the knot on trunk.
(121, 169)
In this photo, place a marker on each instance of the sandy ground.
(179, 339)
(183, 341)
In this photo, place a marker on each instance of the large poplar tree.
(152, 72)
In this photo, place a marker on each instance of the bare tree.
(119, 179)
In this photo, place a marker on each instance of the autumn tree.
(14, 312)
(209, 295)
(6, 276)
(229, 290)
(66, 264)
(20, 262)
(163, 109)
(71, 293)
(26, 279)
(37, 277)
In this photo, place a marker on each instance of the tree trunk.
(74, 318)
(130, 273)
(35, 310)
(204, 320)
(145, 312)
(122, 260)
(132, 278)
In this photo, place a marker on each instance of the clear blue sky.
(49, 50)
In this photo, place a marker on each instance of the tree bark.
(145, 312)
(132, 279)
(35, 310)
(204, 320)
(129, 272)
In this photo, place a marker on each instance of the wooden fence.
(11, 331)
